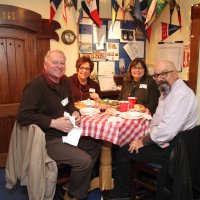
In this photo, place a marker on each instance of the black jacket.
(145, 90)
(180, 176)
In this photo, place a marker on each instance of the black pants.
(151, 154)
(81, 159)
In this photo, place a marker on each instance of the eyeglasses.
(138, 68)
(162, 74)
(84, 68)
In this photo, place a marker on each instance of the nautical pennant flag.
(123, 9)
(91, 8)
(75, 4)
(53, 8)
(137, 11)
(172, 5)
(179, 13)
(160, 5)
(143, 7)
(151, 13)
(79, 15)
(64, 10)
(114, 11)
(168, 29)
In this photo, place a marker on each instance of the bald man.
(176, 111)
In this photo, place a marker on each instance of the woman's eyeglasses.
(84, 68)
(138, 68)
(162, 74)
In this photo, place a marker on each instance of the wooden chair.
(178, 178)
(62, 180)
(144, 177)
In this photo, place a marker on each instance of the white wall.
(71, 51)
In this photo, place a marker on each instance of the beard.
(164, 87)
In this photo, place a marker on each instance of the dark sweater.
(41, 102)
(145, 90)
(81, 92)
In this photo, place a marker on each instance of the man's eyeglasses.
(84, 68)
(162, 74)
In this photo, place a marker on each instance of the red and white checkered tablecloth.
(120, 133)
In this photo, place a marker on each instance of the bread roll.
(139, 108)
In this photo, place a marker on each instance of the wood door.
(18, 64)
(24, 41)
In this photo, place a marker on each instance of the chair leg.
(133, 190)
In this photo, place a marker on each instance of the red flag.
(148, 30)
(123, 10)
(90, 7)
(168, 29)
(53, 8)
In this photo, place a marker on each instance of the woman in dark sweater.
(82, 86)
(138, 84)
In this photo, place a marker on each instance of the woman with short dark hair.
(82, 86)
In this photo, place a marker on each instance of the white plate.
(89, 111)
(88, 102)
(131, 115)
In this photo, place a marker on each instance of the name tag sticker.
(143, 86)
(65, 101)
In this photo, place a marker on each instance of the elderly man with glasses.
(176, 111)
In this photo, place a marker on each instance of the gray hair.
(48, 54)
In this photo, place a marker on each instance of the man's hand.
(77, 116)
(135, 145)
(62, 124)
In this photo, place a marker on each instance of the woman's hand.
(135, 145)
(62, 124)
(94, 96)
(77, 116)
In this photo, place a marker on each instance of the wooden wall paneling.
(6, 124)
(31, 56)
(20, 68)
(4, 90)
(43, 46)
(12, 79)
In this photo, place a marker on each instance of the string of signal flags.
(143, 12)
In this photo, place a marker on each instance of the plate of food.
(131, 115)
(79, 105)
(88, 102)
(89, 111)
(107, 103)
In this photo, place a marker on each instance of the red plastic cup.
(132, 101)
(123, 106)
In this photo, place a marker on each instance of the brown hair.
(134, 63)
(82, 60)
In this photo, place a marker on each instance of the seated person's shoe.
(114, 195)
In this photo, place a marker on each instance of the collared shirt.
(175, 112)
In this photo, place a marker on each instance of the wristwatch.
(68, 37)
